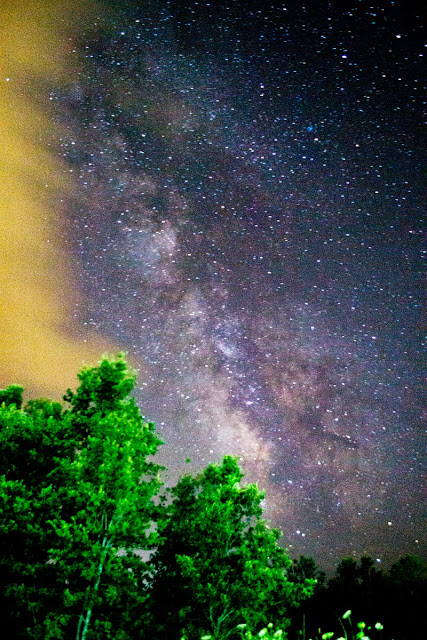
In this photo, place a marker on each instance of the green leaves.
(11, 395)
(111, 507)
(219, 562)
(102, 389)
(89, 549)
(76, 500)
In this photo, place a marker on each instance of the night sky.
(244, 217)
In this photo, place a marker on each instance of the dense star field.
(246, 223)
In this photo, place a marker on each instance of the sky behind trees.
(232, 194)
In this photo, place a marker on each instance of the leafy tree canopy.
(220, 564)
(12, 395)
(76, 507)
(91, 549)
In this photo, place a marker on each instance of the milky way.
(247, 224)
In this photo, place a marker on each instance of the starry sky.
(234, 196)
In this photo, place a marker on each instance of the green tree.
(31, 443)
(302, 569)
(406, 592)
(219, 564)
(305, 567)
(12, 395)
(77, 509)
(409, 573)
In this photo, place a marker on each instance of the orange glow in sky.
(40, 347)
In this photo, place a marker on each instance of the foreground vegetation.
(93, 547)
(269, 633)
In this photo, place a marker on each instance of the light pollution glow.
(39, 347)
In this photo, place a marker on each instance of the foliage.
(395, 597)
(352, 634)
(76, 499)
(90, 550)
(269, 632)
(305, 568)
(31, 443)
(219, 563)
(12, 395)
